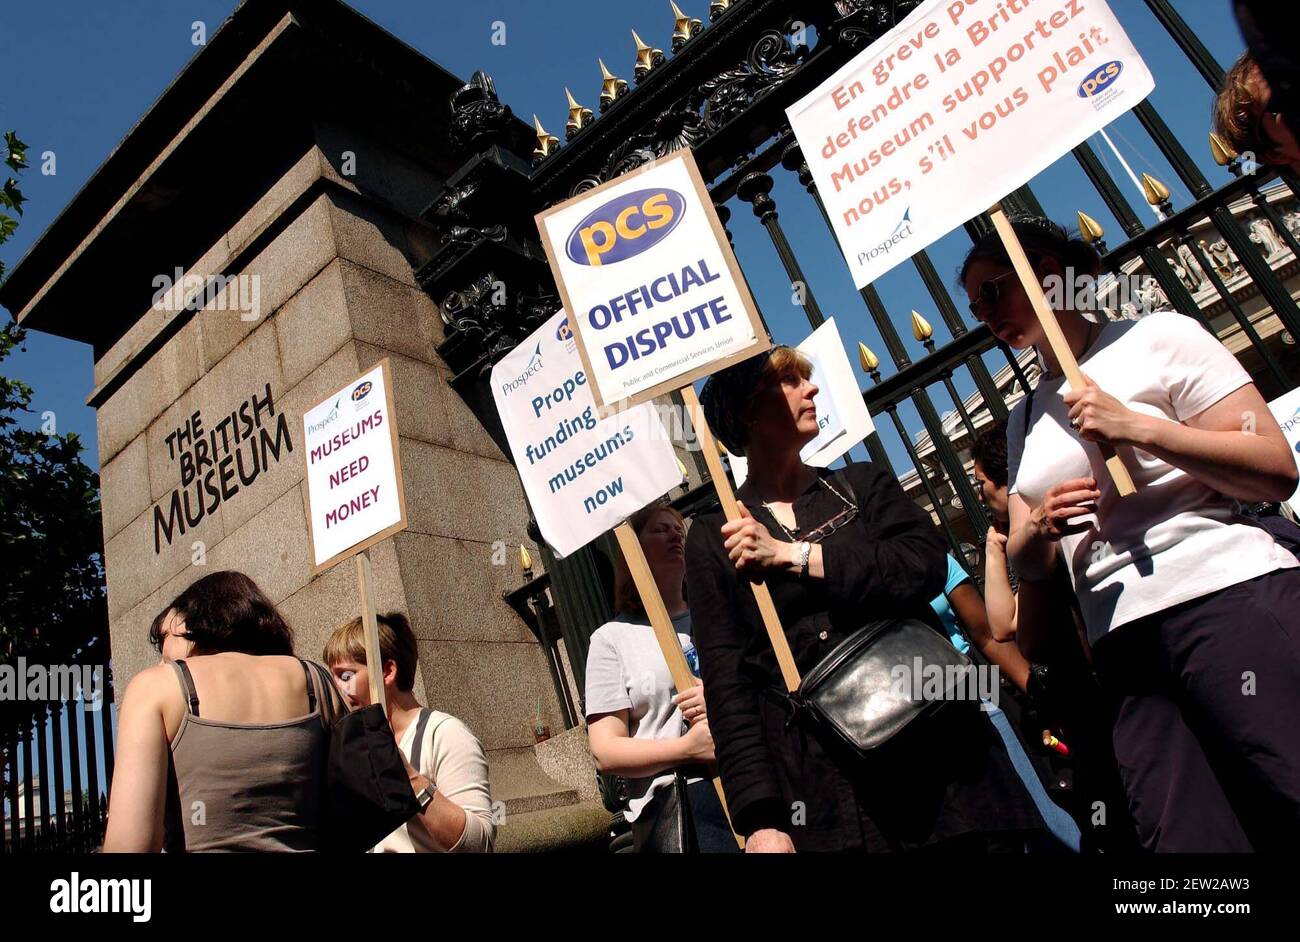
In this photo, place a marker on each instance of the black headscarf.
(726, 396)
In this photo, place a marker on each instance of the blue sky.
(78, 74)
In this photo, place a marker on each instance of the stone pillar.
(309, 243)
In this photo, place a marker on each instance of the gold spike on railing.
(546, 142)
(647, 58)
(1155, 191)
(1089, 228)
(611, 88)
(579, 117)
(1221, 151)
(921, 328)
(869, 360)
(684, 27)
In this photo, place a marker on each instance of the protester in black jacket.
(871, 554)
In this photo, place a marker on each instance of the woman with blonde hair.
(839, 551)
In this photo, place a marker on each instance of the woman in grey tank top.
(222, 746)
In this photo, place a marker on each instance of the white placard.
(644, 263)
(583, 475)
(839, 397)
(957, 106)
(841, 411)
(354, 473)
(1286, 409)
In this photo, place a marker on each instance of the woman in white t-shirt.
(1192, 610)
(445, 762)
(639, 726)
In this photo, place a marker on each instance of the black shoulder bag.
(368, 794)
(861, 693)
(664, 825)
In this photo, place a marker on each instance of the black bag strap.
(418, 746)
(329, 691)
(311, 686)
(187, 682)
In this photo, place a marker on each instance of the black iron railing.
(723, 91)
(45, 810)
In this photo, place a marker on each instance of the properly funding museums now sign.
(582, 474)
(953, 109)
(354, 473)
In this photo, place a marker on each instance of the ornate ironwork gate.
(723, 92)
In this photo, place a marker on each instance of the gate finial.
(647, 58)
(546, 142)
(612, 87)
(579, 117)
(684, 27)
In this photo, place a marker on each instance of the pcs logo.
(362, 390)
(564, 334)
(1100, 78)
(625, 226)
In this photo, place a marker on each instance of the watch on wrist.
(425, 797)
(803, 551)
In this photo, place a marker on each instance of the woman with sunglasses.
(837, 550)
(1192, 610)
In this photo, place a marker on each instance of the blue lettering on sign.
(1099, 78)
(625, 226)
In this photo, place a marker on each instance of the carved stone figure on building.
(1189, 270)
(1265, 236)
(1149, 295)
(1292, 221)
(1223, 258)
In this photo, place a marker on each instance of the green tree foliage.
(53, 608)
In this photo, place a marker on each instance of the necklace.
(848, 506)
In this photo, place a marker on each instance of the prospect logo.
(902, 232)
(325, 422)
(1099, 85)
(625, 226)
(534, 365)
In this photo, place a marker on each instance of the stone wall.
(337, 295)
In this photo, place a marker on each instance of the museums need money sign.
(354, 472)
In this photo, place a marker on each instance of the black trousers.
(1207, 707)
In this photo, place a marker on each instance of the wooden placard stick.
(771, 621)
(1055, 338)
(664, 631)
(369, 619)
